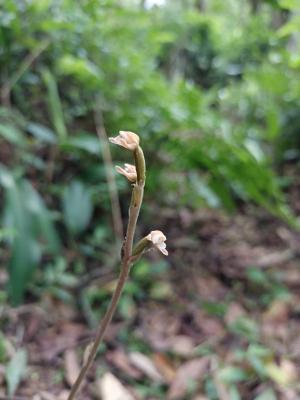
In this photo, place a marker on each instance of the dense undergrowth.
(211, 87)
(215, 106)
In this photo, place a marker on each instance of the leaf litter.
(233, 296)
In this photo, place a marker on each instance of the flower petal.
(126, 139)
(129, 172)
(158, 240)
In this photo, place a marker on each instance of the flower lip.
(128, 140)
(158, 240)
(129, 171)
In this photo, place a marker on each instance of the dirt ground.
(224, 317)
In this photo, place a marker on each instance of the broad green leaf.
(81, 68)
(12, 134)
(289, 28)
(3, 351)
(234, 393)
(26, 216)
(15, 371)
(245, 327)
(267, 394)
(232, 374)
(85, 142)
(289, 4)
(77, 207)
(42, 224)
(42, 133)
(204, 191)
(55, 105)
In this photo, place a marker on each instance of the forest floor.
(222, 319)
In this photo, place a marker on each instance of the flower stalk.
(136, 175)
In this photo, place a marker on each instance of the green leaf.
(55, 106)
(26, 215)
(12, 134)
(24, 251)
(257, 356)
(40, 218)
(3, 352)
(88, 143)
(258, 276)
(289, 4)
(245, 327)
(77, 207)
(234, 393)
(204, 191)
(42, 133)
(231, 374)
(214, 308)
(267, 394)
(81, 68)
(15, 371)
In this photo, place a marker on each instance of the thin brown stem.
(134, 209)
(136, 200)
(103, 326)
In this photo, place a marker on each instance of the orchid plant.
(136, 175)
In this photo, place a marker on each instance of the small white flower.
(158, 240)
(129, 171)
(129, 140)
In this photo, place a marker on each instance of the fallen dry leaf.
(288, 394)
(57, 339)
(190, 371)
(64, 395)
(121, 361)
(146, 365)
(271, 259)
(181, 345)
(32, 325)
(274, 320)
(278, 312)
(71, 366)
(110, 388)
(164, 366)
(284, 373)
(160, 322)
(295, 347)
(48, 396)
(209, 326)
(63, 311)
(221, 388)
(234, 312)
(210, 288)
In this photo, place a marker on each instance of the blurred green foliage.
(213, 89)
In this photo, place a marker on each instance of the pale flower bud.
(158, 240)
(129, 140)
(129, 171)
